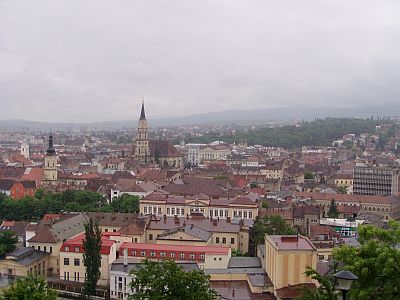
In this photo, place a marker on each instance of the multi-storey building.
(287, 259)
(71, 259)
(375, 181)
(157, 203)
(386, 206)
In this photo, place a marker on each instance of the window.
(145, 210)
(168, 211)
(162, 254)
(172, 254)
(152, 253)
(232, 240)
(106, 230)
(143, 253)
(192, 256)
(38, 247)
(226, 213)
(66, 248)
(250, 215)
(150, 237)
(223, 240)
(221, 213)
(245, 214)
(211, 213)
(202, 256)
(51, 249)
(133, 253)
(66, 261)
(217, 240)
(76, 249)
(76, 262)
(182, 255)
(44, 249)
(173, 210)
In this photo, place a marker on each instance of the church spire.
(142, 113)
(50, 150)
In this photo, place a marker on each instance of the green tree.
(309, 175)
(7, 242)
(30, 288)
(333, 211)
(92, 256)
(165, 280)
(126, 204)
(326, 289)
(342, 190)
(269, 225)
(376, 263)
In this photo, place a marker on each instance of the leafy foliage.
(319, 132)
(269, 225)
(376, 263)
(7, 242)
(309, 175)
(165, 280)
(126, 203)
(326, 289)
(92, 256)
(34, 208)
(333, 211)
(30, 288)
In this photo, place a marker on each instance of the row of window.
(67, 248)
(223, 240)
(44, 248)
(76, 277)
(214, 213)
(153, 253)
(76, 261)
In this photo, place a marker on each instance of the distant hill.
(282, 114)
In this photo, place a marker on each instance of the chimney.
(125, 257)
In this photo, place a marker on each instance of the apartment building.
(376, 181)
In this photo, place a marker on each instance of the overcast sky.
(94, 60)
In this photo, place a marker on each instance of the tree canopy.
(321, 132)
(333, 211)
(165, 280)
(92, 256)
(7, 242)
(30, 288)
(34, 208)
(126, 203)
(376, 263)
(269, 225)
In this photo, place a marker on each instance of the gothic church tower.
(142, 147)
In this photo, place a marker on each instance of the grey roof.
(26, 256)
(236, 271)
(188, 229)
(260, 280)
(244, 262)
(70, 227)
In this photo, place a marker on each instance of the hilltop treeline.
(319, 132)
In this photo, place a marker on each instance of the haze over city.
(85, 61)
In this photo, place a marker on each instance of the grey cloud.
(71, 60)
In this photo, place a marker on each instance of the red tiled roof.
(293, 291)
(77, 242)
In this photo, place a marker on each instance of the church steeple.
(142, 113)
(50, 150)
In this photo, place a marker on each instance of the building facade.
(376, 181)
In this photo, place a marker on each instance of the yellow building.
(287, 258)
(240, 207)
(23, 262)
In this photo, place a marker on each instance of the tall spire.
(142, 113)
(51, 150)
